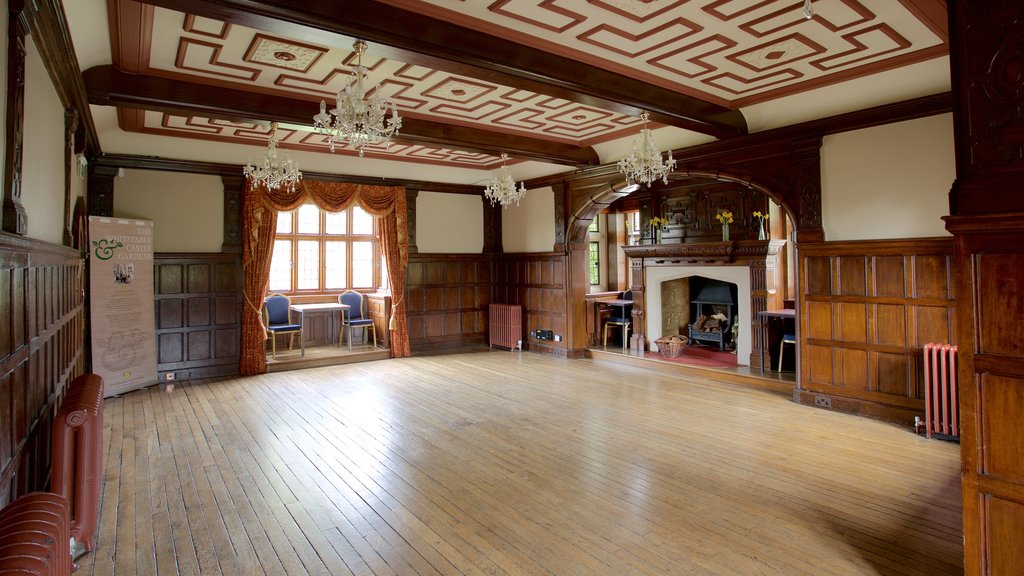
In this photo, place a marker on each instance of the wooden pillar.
(14, 219)
(637, 341)
(70, 127)
(101, 190)
(987, 222)
(561, 218)
(492, 228)
(233, 186)
(808, 180)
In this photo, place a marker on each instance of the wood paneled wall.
(42, 324)
(198, 314)
(539, 283)
(447, 303)
(866, 310)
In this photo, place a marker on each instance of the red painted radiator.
(506, 326)
(78, 456)
(941, 411)
(34, 536)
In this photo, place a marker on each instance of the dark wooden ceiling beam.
(107, 86)
(408, 37)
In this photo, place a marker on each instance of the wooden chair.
(277, 317)
(786, 339)
(622, 320)
(355, 317)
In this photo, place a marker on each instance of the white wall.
(530, 227)
(888, 181)
(187, 210)
(42, 180)
(449, 223)
(738, 275)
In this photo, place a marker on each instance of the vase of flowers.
(725, 218)
(657, 224)
(762, 233)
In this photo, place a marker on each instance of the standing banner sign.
(121, 302)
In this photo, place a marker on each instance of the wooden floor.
(513, 463)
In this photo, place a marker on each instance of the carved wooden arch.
(787, 171)
(601, 197)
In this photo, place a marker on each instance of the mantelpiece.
(758, 256)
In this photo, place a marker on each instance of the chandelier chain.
(270, 172)
(644, 164)
(356, 118)
(502, 188)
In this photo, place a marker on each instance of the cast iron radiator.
(78, 456)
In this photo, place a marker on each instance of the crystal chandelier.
(644, 164)
(808, 10)
(356, 119)
(270, 172)
(502, 188)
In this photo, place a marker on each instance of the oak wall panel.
(198, 314)
(818, 275)
(891, 324)
(854, 368)
(852, 321)
(1001, 426)
(447, 298)
(536, 281)
(42, 331)
(890, 276)
(892, 298)
(852, 276)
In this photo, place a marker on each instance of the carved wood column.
(15, 220)
(560, 216)
(492, 228)
(233, 187)
(638, 285)
(101, 190)
(987, 222)
(70, 126)
(410, 210)
(808, 181)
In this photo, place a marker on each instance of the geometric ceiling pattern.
(231, 55)
(730, 53)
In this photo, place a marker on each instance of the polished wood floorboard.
(501, 463)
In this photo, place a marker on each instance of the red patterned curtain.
(259, 212)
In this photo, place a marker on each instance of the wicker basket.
(671, 346)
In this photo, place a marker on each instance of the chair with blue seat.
(277, 318)
(355, 316)
(623, 319)
(786, 339)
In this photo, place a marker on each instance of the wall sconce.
(80, 164)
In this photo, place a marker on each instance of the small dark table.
(768, 318)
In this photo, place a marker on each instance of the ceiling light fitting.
(808, 10)
(502, 188)
(644, 164)
(356, 119)
(270, 172)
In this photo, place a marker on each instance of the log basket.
(671, 346)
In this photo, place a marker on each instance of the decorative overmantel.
(736, 252)
(759, 256)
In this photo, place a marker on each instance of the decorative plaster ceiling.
(727, 53)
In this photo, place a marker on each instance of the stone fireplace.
(668, 302)
(659, 270)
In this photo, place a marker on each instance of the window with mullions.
(321, 252)
(595, 264)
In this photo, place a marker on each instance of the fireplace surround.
(749, 264)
